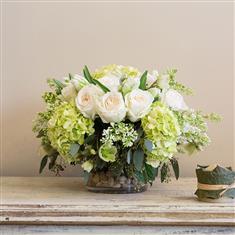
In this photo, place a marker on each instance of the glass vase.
(103, 182)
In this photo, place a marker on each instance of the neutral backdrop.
(41, 40)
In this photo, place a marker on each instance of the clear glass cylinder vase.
(103, 182)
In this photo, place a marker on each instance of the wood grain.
(65, 201)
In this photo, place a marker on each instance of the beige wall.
(51, 39)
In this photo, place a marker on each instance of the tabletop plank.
(65, 201)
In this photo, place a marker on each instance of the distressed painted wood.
(104, 230)
(65, 201)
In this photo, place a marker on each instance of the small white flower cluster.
(123, 132)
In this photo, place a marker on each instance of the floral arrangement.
(119, 120)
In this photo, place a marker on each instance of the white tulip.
(138, 103)
(85, 100)
(69, 92)
(174, 100)
(111, 82)
(111, 107)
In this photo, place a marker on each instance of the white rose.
(85, 100)
(174, 100)
(79, 81)
(130, 84)
(151, 78)
(155, 92)
(138, 103)
(87, 166)
(111, 107)
(111, 82)
(69, 92)
(163, 81)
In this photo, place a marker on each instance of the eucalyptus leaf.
(143, 81)
(43, 163)
(86, 176)
(129, 155)
(175, 167)
(52, 161)
(138, 158)
(74, 149)
(139, 176)
(148, 145)
(89, 139)
(164, 171)
(151, 172)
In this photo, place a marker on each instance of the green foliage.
(129, 156)
(74, 149)
(164, 172)
(43, 163)
(175, 167)
(176, 85)
(193, 131)
(214, 117)
(143, 81)
(56, 85)
(91, 80)
(138, 158)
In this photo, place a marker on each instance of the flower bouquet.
(122, 126)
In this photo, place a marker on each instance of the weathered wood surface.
(114, 230)
(65, 201)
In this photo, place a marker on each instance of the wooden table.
(60, 204)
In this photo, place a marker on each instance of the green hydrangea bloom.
(107, 152)
(116, 70)
(162, 129)
(66, 127)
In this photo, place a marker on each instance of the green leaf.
(40, 134)
(148, 145)
(139, 176)
(164, 171)
(43, 163)
(129, 155)
(86, 176)
(70, 76)
(59, 84)
(103, 87)
(52, 161)
(138, 158)
(91, 80)
(74, 149)
(87, 75)
(175, 167)
(151, 172)
(143, 81)
(89, 139)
